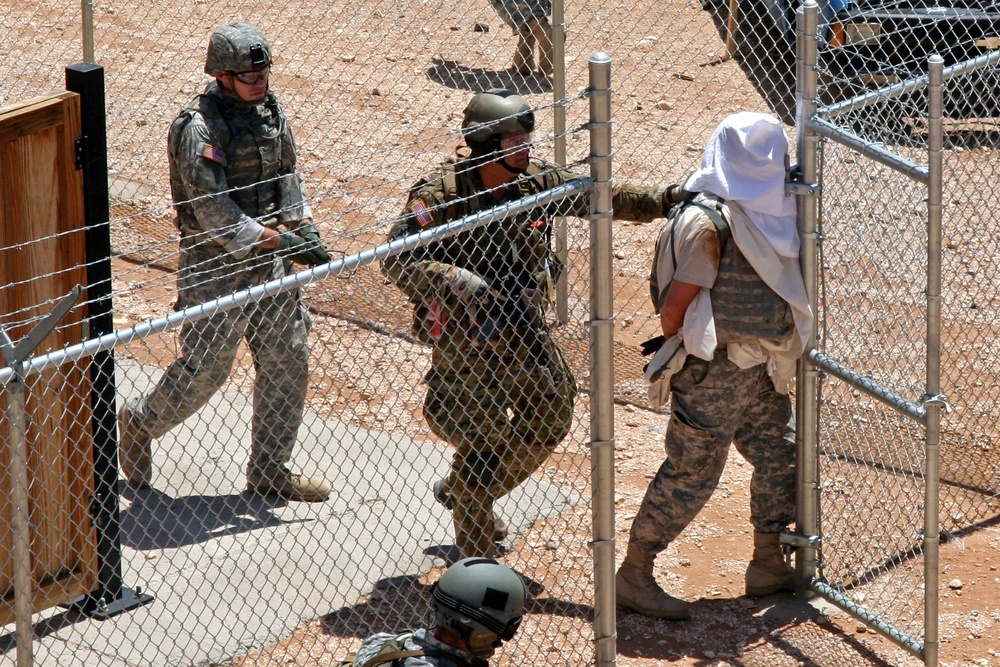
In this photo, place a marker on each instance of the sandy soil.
(369, 93)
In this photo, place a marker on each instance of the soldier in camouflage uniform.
(499, 389)
(732, 256)
(529, 19)
(233, 181)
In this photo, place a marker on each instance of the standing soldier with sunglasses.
(243, 218)
(499, 389)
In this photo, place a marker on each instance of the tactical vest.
(721, 227)
(259, 149)
(513, 254)
(743, 305)
(460, 191)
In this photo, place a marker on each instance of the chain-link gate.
(882, 478)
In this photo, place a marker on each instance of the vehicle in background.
(870, 43)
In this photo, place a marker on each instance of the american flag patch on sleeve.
(210, 152)
(420, 212)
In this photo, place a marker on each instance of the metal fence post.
(934, 400)
(87, 20)
(602, 419)
(18, 474)
(112, 597)
(559, 147)
(806, 404)
(15, 354)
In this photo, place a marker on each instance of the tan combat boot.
(768, 573)
(524, 56)
(288, 485)
(637, 590)
(500, 529)
(135, 457)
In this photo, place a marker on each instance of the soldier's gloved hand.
(469, 287)
(301, 250)
(309, 232)
(675, 194)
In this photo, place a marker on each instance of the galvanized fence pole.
(602, 417)
(935, 401)
(806, 405)
(559, 146)
(17, 473)
(87, 19)
(17, 468)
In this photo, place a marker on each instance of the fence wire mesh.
(873, 306)
(375, 92)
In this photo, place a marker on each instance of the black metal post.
(111, 597)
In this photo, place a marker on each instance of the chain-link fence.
(375, 93)
(233, 572)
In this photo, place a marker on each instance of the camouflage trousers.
(276, 330)
(504, 407)
(516, 13)
(714, 403)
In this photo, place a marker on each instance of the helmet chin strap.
(517, 171)
(483, 644)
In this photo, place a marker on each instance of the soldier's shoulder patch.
(210, 152)
(420, 213)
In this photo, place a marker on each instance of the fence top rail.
(908, 168)
(346, 264)
(907, 86)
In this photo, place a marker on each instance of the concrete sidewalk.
(232, 572)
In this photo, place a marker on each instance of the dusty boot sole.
(500, 529)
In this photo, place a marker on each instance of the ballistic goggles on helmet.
(253, 76)
(511, 143)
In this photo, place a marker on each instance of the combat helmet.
(237, 47)
(479, 595)
(492, 113)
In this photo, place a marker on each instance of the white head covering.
(744, 163)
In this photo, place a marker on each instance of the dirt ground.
(706, 564)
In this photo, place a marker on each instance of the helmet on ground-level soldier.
(481, 601)
(237, 47)
(493, 113)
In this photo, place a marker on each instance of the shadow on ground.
(765, 57)
(156, 520)
(772, 631)
(407, 601)
(462, 77)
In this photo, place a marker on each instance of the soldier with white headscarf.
(735, 318)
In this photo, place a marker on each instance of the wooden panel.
(42, 257)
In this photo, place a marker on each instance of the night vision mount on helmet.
(237, 47)
(479, 594)
(493, 113)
